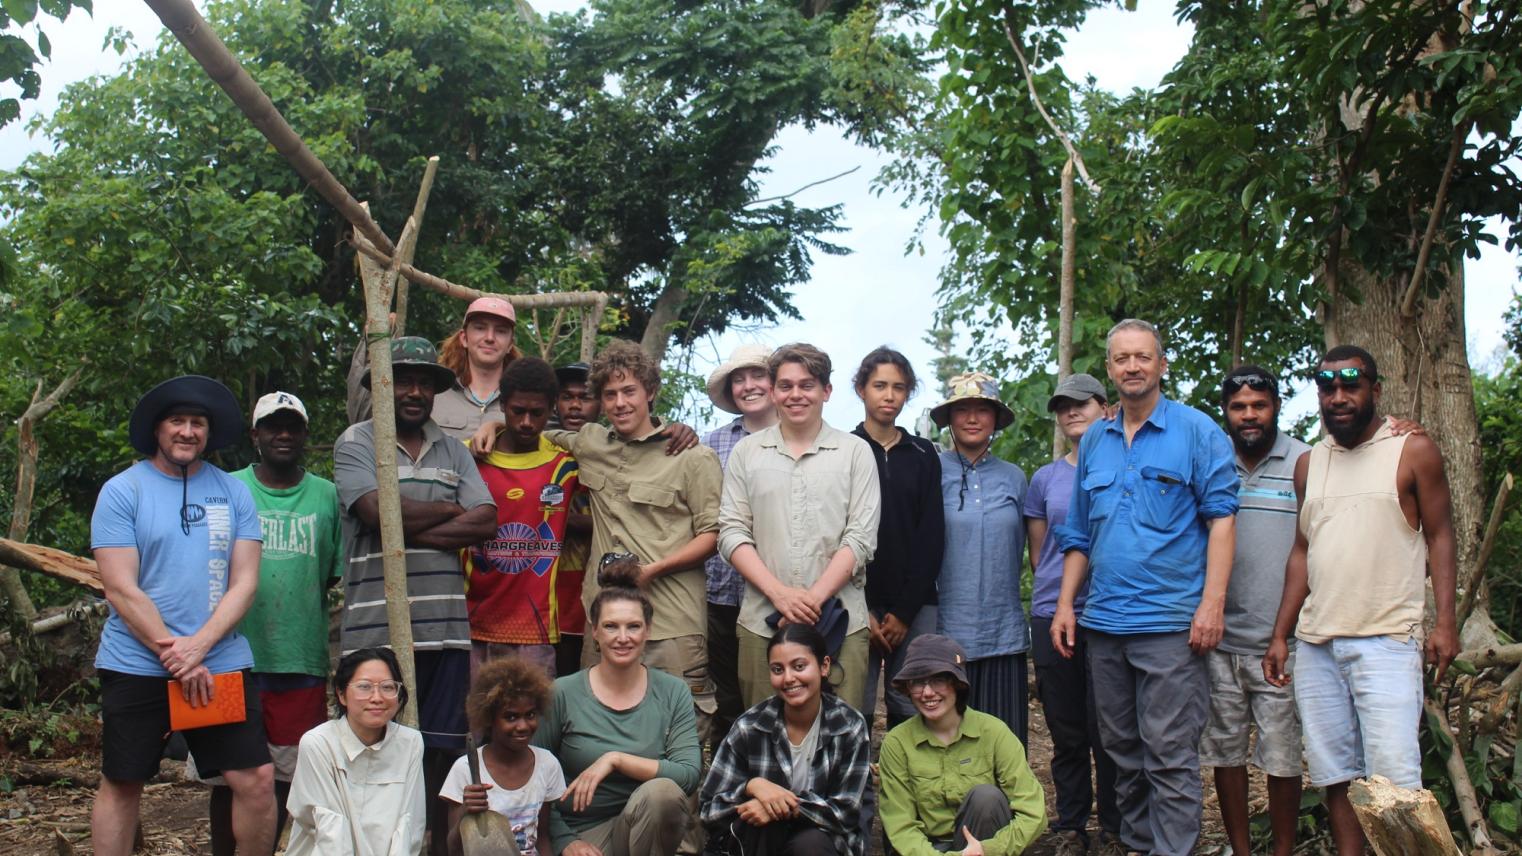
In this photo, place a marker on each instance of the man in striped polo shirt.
(1240, 697)
(445, 507)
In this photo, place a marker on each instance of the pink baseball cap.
(491, 305)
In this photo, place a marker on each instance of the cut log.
(1400, 822)
(1484, 658)
(55, 563)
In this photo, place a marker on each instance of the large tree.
(1272, 197)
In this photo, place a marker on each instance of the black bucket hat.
(192, 392)
(930, 655)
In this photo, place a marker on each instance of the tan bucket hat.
(744, 357)
(973, 386)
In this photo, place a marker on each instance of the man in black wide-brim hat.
(177, 541)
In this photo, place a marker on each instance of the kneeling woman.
(626, 736)
(953, 779)
(358, 787)
(789, 776)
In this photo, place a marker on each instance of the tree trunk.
(1425, 375)
(662, 315)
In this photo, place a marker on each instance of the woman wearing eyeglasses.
(979, 585)
(954, 779)
(358, 788)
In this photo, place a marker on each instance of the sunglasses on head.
(1349, 377)
(1253, 381)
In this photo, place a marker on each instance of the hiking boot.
(1109, 845)
(1070, 843)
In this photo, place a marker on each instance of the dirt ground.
(48, 819)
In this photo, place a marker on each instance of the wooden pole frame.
(385, 262)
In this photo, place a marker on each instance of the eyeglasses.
(1253, 381)
(365, 689)
(1349, 377)
(936, 683)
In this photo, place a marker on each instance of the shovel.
(487, 833)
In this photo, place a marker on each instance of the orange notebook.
(226, 704)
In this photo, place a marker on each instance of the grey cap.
(933, 654)
(1077, 387)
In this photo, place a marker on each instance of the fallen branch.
(63, 619)
(1030, 84)
(1484, 658)
(1463, 787)
(1487, 546)
(55, 563)
(1400, 821)
(1498, 710)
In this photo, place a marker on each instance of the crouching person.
(953, 779)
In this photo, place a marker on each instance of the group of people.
(596, 602)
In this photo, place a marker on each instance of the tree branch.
(1487, 546)
(803, 188)
(1030, 84)
(1408, 302)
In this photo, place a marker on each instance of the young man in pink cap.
(477, 353)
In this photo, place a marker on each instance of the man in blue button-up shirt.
(1153, 518)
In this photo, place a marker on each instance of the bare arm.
(1075, 571)
(835, 575)
(690, 555)
(463, 530)
(1035, 533)
(417, 516)
(1429, 485)
(796, 605)
(1210, 616)
(118, 575)
(1296, 588)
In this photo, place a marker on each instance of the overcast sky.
(877, 294)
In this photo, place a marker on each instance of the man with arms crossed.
(799, 522)
(1375, 520)
(445, 507)
(1152, 515)
(177, 543)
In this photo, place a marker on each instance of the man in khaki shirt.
(664, 509)
(799, 522)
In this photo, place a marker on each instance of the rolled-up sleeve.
(705, 488)
(1215, 474)
(864, 510)
(736, 522)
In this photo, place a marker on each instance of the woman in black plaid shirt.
(789, 776)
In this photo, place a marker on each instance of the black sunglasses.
(1350, 378)
(1254, 381)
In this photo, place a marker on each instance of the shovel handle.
(473, 759)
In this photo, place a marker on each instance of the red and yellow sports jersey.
(510, 579)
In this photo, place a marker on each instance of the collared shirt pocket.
(647, 493)
(1103, 493)
(1164, 499)
(591, 479)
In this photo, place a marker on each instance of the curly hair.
(624, 356)
(501, 682)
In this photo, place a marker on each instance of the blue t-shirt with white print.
(185, 575)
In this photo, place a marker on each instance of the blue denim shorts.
(1360, 703)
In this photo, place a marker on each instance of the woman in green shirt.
(953, 779)
(626, 736)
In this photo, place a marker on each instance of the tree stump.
(1400, 822)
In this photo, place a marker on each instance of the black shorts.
(134, 712)
(443, 679)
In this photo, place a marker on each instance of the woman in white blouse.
(358, 788)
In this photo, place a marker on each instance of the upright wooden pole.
(377, 283)
(1065, 295)
(418, 208)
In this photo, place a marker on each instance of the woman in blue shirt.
(979, 586)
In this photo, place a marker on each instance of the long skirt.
(999, 689)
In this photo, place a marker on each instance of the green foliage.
(1498, 400)
(1225, 191)
(18, 59)
(616, 150)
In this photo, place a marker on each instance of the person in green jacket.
(954, 780)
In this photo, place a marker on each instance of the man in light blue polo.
(1153, 519)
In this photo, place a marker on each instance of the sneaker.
(1109, 845)
(1070, 843)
